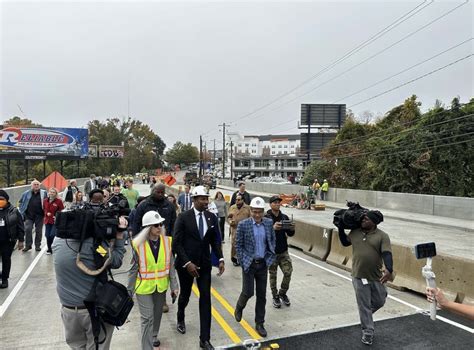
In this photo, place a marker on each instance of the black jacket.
(13, 223)
(281, 235)
(188, 245)
(246, 197)
(164, 207)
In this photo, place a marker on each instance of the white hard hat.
(257, 203)
(151, 218)
(199, 191)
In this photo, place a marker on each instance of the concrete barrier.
(339, 255)
(312, 240)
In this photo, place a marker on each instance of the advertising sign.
(107, 151)
(93, 151)
(44, 142)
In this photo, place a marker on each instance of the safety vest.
(153, 275)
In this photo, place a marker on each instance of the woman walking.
(221, 205)
(51, 206)
(11, 230)
(151, 275)
(172, 199)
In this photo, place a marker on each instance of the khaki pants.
(233, 236)
(151, 310)
(78, 330)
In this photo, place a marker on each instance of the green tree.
(182, 154)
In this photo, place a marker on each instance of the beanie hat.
(4, 194)
(375, 216)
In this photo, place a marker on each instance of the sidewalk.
(465, 225)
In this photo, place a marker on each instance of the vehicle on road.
(191, 178)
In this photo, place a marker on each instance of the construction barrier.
(312, 239)
(339, 255)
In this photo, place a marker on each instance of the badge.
(2, 222)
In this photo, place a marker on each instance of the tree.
(182, 154)
(18, 121)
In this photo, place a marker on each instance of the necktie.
(201, 226)
(186, 202)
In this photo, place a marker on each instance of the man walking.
(90, 185)
(69, 194)
(197, 230)
(31, 208)
(184, 199)
(238, 212)
(255, 245)
(283, 259)
(324, 190)
(130, 193)
(243, 193)
(370, 246)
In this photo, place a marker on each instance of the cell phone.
(425, 250)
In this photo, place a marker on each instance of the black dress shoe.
(4, 284)
(26, 249)
(205, 345)
(156, 343)
(181, 327)
(261, 330)
(238, 313)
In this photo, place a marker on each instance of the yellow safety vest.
(153, 275)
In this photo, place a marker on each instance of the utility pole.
(204, 156)
(223, 149)
(231, 159)
(214, 157)
(200, 156)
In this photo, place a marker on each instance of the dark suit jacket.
(188, 245)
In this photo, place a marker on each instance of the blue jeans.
(50, 232)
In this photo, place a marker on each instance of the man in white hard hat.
(196, 230)
(255, 244)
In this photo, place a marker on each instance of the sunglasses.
(157, 225)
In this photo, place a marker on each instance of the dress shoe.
(4, 284)
(261, 330)
(205, 345)
(238, 313)
(156, 343)
(26, 249)
(38, 249)
(166, 308)
(181, 327)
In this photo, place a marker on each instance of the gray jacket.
(72, 284)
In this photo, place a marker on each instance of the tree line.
(403, 151)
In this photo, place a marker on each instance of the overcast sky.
(193, 65)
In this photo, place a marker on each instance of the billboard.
(19, 142)
(323, 115)
(93, 151)
(108, 151)
(315, 143)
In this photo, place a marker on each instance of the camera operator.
(74, 285)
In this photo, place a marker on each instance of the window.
(273, 152)
(292, 163)
(279, 146)
(265, 162)
(237, 162)
(254, 145)
(292, 146)
(286, 146)
(254, 151)
(285, 152)
(245, 163)
(273, 146)
(246, 145)
(257, 163)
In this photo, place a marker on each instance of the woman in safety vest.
(151, 275)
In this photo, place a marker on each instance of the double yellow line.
(225, 326)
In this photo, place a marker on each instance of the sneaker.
(38, 249)
(276, 302)
(49, 252)
(285, 299)
(367, 339)
(166, 308)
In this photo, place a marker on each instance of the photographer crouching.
(83, 254)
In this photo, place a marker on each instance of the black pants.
(6, 250)
(256, 277)
(222, 227)
(204, 286)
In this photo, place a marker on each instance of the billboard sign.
(323, 115)
(93, 151)
(107, 151)
(39, 141)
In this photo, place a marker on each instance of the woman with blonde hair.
(151, 275)
(51, 205)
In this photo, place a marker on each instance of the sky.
(186, 67)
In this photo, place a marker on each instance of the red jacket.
(51, 208)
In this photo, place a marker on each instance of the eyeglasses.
(157, 225)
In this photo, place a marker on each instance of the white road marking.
(16, 289)
(441, 318)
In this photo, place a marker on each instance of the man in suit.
(255, 245)
(242, 192)
(184, 199)
(196, 230)
(90, 185)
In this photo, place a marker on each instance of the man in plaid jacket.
(255, 245)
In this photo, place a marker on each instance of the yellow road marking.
(250, 330)
(225, 326)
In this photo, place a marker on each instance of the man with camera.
(79, 263)
(370, 246)
(283, 228)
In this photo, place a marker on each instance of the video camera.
(100, 222)
(350, 218)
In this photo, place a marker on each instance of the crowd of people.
(174, 243)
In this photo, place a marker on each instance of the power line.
(412, 81)
(366, 60)
(348, 54)
(404, 70)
